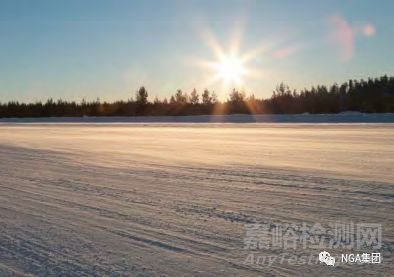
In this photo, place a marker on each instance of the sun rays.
(228, 66)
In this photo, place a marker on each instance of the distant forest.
(368, 96)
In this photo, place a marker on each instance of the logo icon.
(325, 257)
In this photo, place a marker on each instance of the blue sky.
(78, 49)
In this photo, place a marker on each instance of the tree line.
(368, 96)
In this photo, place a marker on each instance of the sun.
(228, 66)
(230, 69)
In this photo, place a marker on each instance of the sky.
(74, 49)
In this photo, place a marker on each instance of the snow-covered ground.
(345, 117)
(172, 199)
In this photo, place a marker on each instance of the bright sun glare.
(230, 69)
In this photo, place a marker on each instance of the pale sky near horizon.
(78, 49)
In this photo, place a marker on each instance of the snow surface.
(172, 199)
(345, 117)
